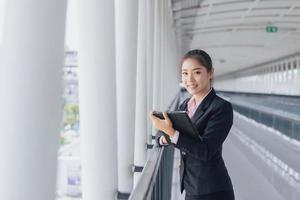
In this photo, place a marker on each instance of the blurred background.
(78, 79)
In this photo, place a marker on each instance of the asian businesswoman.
(203, 173)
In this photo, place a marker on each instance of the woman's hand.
(163, 141)
(164, 125)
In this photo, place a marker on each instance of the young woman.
(203, 173)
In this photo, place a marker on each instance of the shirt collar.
(192, 100)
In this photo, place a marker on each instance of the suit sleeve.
(216, 131)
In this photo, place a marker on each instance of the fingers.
(166, 117)
(164, 140)
(150, 114)
(161, 124)
(154, 120)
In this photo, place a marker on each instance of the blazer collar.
(204, 105)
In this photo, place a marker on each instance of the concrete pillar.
(31, 98)
(97, 98)
(141, 115)
(162, 70)
(156, 60)
(150, 51)
(126, 55)
(170, 68)
(172, 71)
(156, 56)
(297, 77)
(164, 75)
(2, 19)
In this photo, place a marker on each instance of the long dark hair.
(201, 56)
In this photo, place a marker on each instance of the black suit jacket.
(202, 169)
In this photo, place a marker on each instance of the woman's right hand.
(163, 140)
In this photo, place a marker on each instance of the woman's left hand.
(164, 125)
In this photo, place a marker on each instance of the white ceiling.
(234, 33)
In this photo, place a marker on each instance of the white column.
(97, 98)
(165, 82)
(126, 50)
(2, 19)
(175, 52)
(141, 115)
(156, 56)
(162, 69)
(150, 51)
(156, 103)
(172, 68)
(297, 77)
(31, 98)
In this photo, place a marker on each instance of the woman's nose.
(190, 77)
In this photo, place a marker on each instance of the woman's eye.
(197, 72)
(184, 73)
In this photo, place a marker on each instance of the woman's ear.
(211, 74)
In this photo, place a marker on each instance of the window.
(68, 184)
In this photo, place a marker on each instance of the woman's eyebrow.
(193, 69)
(197, 68)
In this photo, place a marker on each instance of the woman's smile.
(196, 78)
(192, 86)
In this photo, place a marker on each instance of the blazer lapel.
(204, 105)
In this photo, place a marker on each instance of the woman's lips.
(192, 86)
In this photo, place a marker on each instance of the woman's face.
(195, 77)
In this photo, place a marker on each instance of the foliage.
(71, 114)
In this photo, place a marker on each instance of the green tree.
(71, 114)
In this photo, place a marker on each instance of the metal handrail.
(146, 182)
(155, 180)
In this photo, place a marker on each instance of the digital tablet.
(181, 122)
